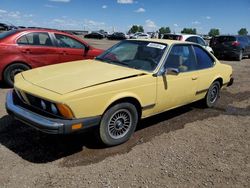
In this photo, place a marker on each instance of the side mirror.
(172, 71)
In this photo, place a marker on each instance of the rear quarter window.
(204, 60)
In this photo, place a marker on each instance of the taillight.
(235, 43)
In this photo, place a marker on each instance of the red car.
(29, 48)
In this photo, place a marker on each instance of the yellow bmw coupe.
(132, 80)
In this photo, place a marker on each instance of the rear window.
(172, 37)
(7, 33)
(226, 39)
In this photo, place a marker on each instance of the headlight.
(43, 105)
(53, 109)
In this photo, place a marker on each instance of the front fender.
(121, 96)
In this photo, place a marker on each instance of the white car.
(140, 36)
(189, 38)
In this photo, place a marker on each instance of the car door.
(38, 49)
(205, 71)
(176, 89)
(71, 49)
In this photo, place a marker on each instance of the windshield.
(143, 55)
(7, 33)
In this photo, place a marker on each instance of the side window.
(67, 42)
(182, 58)
(44, 39)
(36, 39)
(26, 39)
(192, 39)
(203, 59)
(201, 41)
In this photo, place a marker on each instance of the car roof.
(40, 30)
(182, 34)
(163, 41)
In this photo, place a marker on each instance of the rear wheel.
(118, 124)
(212, 94)
(13, 70)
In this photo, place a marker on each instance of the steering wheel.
(111, 56)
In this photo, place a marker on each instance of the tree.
(136, 28)
(164, 30)
(243, 31)
(189, 31)
(140, 29)
(213, 32)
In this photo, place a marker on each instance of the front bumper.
(46, 124)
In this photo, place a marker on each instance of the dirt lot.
(186, 147)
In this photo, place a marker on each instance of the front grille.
(34, 101)
(34, 105)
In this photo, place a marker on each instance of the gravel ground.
(186, 147)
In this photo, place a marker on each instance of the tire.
(11, 71)
(118, 124)
(239, 58)
(212, 94)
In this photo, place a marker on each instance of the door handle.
(194, 78)
(63, 53)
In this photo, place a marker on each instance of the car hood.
(68, 77)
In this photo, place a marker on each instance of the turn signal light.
(65, 111)
(76, 126)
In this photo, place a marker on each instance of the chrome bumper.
(46, 124)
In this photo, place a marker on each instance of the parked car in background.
(132, 80)
(117, 36)
(141, 36)
(190, 38)
(6, 27)
(133, 36)
(233, 46)
(248, 37)
(24, 49)
(94, 35)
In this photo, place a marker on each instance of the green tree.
(189, 31)
(213, 32)
(164, 30)
(136, 28)
(243, 31)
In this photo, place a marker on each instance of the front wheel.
(212, 94)
(118, 124)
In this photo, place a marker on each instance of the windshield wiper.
(100, 59)
(120, 62)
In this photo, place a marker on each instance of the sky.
(119, 15)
